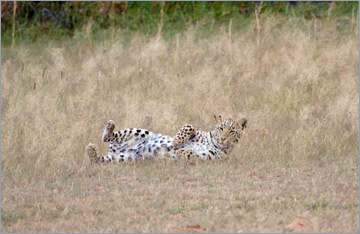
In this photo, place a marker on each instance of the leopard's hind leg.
(92, 152)
(108, 134)
(94, 157)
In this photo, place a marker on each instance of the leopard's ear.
(242, 123)
(218, 118)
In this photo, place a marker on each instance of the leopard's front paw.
(184, 134)
(187, 156)
(176, 144)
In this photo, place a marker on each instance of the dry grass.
(298, 159)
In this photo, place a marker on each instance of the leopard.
(189, 145)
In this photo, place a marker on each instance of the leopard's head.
(228, 131)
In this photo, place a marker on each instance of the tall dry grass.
(296, 82)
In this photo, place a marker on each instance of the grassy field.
(295, 81)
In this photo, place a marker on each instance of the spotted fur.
(187, 145)
(210, 145)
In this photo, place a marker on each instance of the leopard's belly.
(152, 146)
